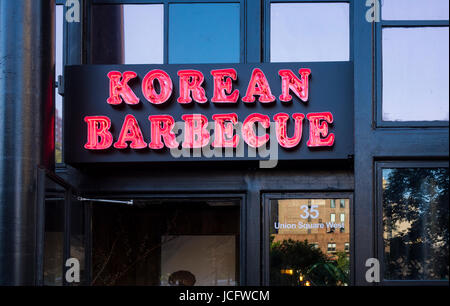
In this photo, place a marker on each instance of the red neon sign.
(190, 82)
(148, 87)
(119, 89)
(196, 133)
(223, 86)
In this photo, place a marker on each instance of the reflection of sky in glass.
(204, 33)
(144, 34)
(58, 54)
(414, 9)
(415, 74)
(309, 32)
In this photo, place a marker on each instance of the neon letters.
(157, 88)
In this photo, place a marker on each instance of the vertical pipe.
(107, 34)
(26, 129)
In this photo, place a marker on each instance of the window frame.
(57, 85)
(76, 37)
(266, 20)
(333, 247)
(44, 176)
(249, 10)
(379, 230)
(332, 203)
(74, 53)
(265, 224)
(379, 26)
(174, 196)
(333, 217)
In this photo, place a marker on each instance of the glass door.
(307, 239)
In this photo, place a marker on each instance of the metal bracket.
(130, 202)
(60, 85)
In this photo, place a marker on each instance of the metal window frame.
(265, 223)
(249, 33)
(266, 20)
(378, 109)
(42, 176)
(183, 197)
(74, 53)
(76, 36)
(379, 247)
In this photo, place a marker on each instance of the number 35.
(309, 212)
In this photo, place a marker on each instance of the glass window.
(53, 234)
(415, 219)
(333, 217)
(342, 203)
(167, 243)
(144, 33)
(331, 247)
(415, 9)
(332, 203)
(204, 33)
(347, 247)
(59, 42)
(415, 74)
(312, 252)
(77, 237)
(342, 217)
(309, 32)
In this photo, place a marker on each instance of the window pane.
(77, 237)
(204, 33)
(59, 42)
(167, 243)
(415, 9)
(309, 32)
(415, 219)
(303, 252)
(415, 74)
(144, 34)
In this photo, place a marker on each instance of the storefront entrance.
(244, 227)
(306, 241)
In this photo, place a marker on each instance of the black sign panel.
(87, 89)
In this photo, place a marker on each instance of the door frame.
(265, 221)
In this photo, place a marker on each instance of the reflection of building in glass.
(58, 137)
(58, 128)
(319, 221)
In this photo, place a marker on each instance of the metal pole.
(107, 34)
(26, 129)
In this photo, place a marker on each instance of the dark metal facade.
(26, 90)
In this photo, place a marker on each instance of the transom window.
(413, 69)
(308, 32)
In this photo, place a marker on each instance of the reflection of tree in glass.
(415, 219)
(121, 258)
(297, 263)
